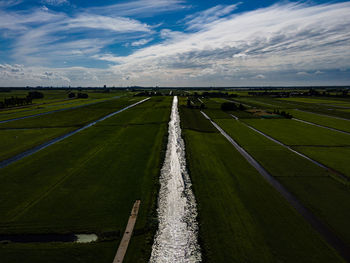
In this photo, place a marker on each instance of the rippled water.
(176, 238)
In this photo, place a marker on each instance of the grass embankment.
(88, 183)
(242, 218)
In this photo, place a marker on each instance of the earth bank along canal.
(176, 238)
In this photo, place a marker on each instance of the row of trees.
(230, 106)
(283, 113)
(79, 95)
(215, 94)
(15, 101)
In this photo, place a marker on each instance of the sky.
(190, 43)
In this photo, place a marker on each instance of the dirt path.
(123, 246)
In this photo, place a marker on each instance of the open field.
(78, 177)
(88, 182)
(335, 123)
(292, 132)
(231, 192)
(335, 157)
(22, 135)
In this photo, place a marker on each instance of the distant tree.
(82, 95)
(228, 106)
(241, 107)
(36, 95)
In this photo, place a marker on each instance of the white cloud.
(55, 2)
(197, 20)
(274, 42)
(303, 73)
(259, 76)
(141, 42)
(43, 36)
(281, 38)
(140, 8)
(9, 3)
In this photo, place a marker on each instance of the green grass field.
(13, 142)
(21, 135)
(339, 124)
(292, 132)
(334, 157)
(89, 182)
(242, 218)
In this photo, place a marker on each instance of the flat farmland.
(340, 124)
(292, 132)
(237, 208)
(21, 135)
(89, 182)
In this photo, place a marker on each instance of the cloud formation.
(281, 38)
(280, 44)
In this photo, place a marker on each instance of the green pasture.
(36, 109)
(13, 142)
(336, 158)
(242, 218)
(73, 117)
(88, 182)
(327, 121)
(293, 132)
(276, 159)
(317, 100)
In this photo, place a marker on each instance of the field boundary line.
(298, 153)
(59, 110)
(330, 237)
(124, 243)
(325, 115)
(20, 156)
(321, 126)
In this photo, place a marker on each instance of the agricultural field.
(75, 186)
(76, 166)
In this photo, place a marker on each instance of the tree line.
(16, 101)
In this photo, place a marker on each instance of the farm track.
(58, 110)
(60, 138)
(332, 239)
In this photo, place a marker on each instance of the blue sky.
(174, 43)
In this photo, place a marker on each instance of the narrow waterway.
(176, 238)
